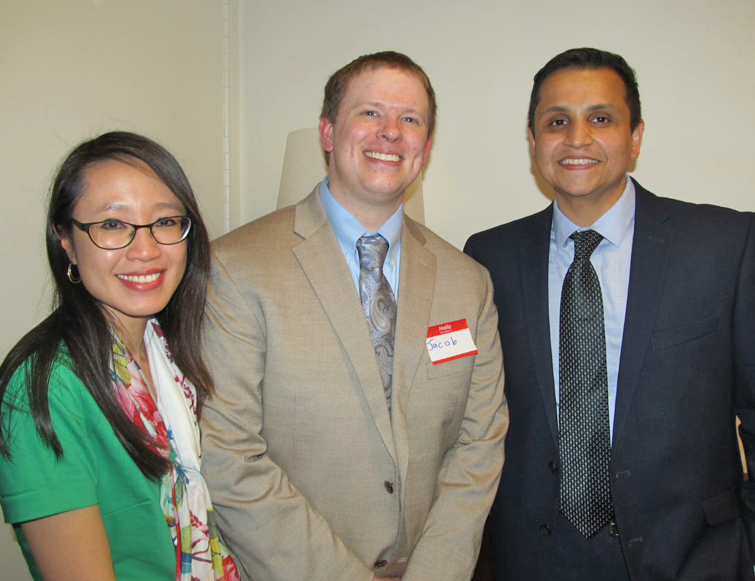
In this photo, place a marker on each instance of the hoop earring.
(69, 272)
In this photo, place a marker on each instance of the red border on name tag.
(444, 329)
(447, 328)
(455, 357)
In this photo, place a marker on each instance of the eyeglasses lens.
(115, 234)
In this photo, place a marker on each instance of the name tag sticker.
(450, 341)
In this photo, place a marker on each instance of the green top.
(95, 470)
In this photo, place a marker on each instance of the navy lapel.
(650, 251)
(534, 275)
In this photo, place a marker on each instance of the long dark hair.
(78, 320)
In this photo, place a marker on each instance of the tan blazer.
(312, 478)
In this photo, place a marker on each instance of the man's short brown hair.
(338, 83)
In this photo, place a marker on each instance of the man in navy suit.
(676, 354)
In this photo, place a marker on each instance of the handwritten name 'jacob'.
(449, 341)
(442, 344)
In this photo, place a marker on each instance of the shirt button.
(380, 564)
(388, 486)
(553, 467)
(545, 530)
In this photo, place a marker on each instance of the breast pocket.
(687, 333)
(461, 365)
(447, 383)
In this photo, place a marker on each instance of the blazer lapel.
(416, 289)
(652, 241)
(320, 257)
(534, 276)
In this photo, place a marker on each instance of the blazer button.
(388, 486)
(545, 530)
(380, 564)
(553, 466)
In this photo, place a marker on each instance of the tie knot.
(585, 243)
(373, 249)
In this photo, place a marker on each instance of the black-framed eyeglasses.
(114, 234)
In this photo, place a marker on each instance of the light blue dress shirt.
(348, 230)
(611, 260)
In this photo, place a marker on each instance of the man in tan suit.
(352, 439)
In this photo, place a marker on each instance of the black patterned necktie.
(584, 439)
(378, 303)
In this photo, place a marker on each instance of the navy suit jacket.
(687, 367)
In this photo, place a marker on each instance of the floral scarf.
(201, 554)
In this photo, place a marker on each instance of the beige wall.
(73, 69)
(693, 59)
(70, 70)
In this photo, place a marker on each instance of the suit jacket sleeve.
(470, 471)
(744, 346)
(267, 523)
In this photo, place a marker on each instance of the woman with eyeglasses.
(99, 443)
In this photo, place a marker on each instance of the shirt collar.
(348, 229)
(613, 225)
